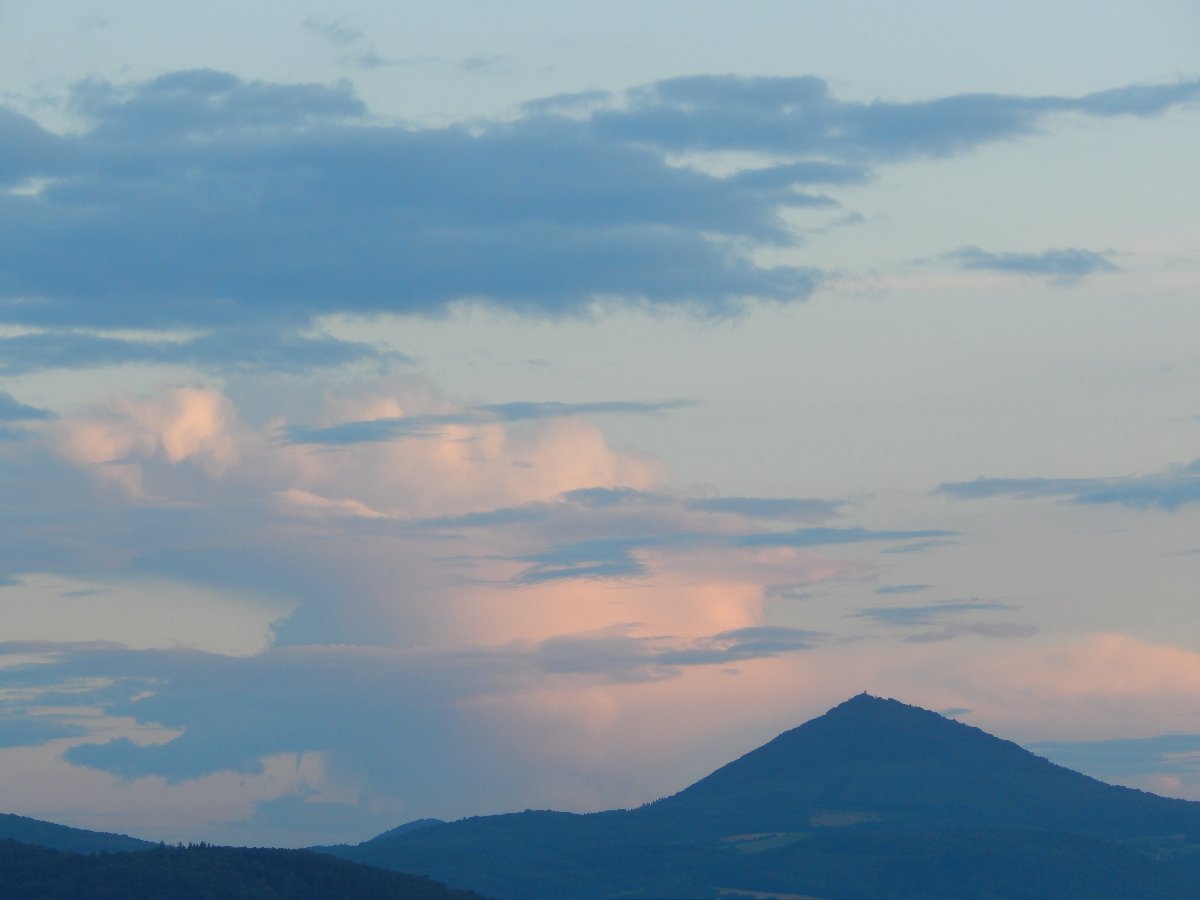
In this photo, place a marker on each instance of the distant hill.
(873, 799)
(62, 837)
(194, 873)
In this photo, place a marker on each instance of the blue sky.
(442, 409)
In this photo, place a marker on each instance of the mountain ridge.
(848, 798)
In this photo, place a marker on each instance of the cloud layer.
(214, 206)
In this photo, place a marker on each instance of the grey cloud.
(21, 729)
(611, 557)
(596, 558)
(483, 65)
(26, 149)
(386, 429)
(981, 629)
(179, 760)
(1065, 266)
(12, 410)
(202, 201)
(813, 537)
(769, 507)
(743, 644)
(1024, 488)
(1168, 490)
(336, 31)
(808, 172)
(572, 102)
(798, 115)
(924, 615)
(919, 546)
(777, 508)
(902, 588)
(202, 103)
(234, 711)
(629, 658)
(226, 350)
(601, 498)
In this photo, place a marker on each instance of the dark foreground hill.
(201, 873)
(873, 799)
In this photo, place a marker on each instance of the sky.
(432, 410)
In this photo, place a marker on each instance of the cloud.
(902, 588)
(202, 202)
(769, 507)
(12, 410)
(227, 350)
(815, 537)
(798, 115)
(221, 727)
(22, 729)
(619, 555)
(509, 558)
(1065, 266)
(977, 629)
(1169, 490)
(293, 206)
(924, 615)
(911, 616)
(202, 104)
(336, 31)
(617, 654)
(392, 428)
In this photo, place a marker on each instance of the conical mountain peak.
(876, 759)
(873, 789)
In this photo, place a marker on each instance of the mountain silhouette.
(63, 837)
(875, 798)
(885, 761)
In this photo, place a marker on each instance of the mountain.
(873, 799)
(231, 873)
(62, 837)
(884, 761)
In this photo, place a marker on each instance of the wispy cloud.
(769, 507)
(627, 658)
(1169, 490)
(425, 425)
(336, 31)
(974, 629)
(938, 614)
(1065, 266)
(925, 615)
(618, 556)
(240, 350)
(799, 115)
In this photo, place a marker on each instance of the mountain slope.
(884, 761)
(874, 798)
(63, 837)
